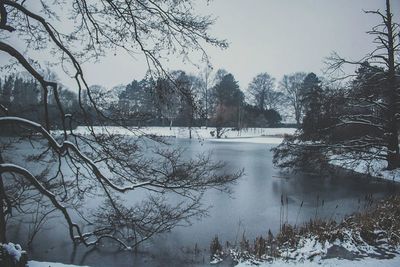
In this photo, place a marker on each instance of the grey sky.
(284, 36)
(274, 36)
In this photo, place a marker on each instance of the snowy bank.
(363, 238)
(253, 140)
(13, 255)
(264, 135)
(372, 167)
(366, 262)
(49, 264)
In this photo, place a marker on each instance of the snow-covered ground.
(254, 140)
(366, 262)
(250, 135)
(374, 167)
(310, 252)
(48, 264)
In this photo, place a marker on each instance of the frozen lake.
(253, 208)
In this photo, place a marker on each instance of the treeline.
(183, 99)
(22, 96)
(179, 99)
(214, 100)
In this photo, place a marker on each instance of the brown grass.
(379, 223)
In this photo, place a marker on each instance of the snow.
(374, 167)
(254, 140)
(14, 250)
(308, 248)
(312, 253)
(48, 264)
(365, 262)
(249, 135)
(216, 260)
(205, 133)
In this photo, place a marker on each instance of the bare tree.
(205, 79)
(192, 99)
(66, 168)
(167, 99)
(186, 106)
(292, 86)
(262, 92)
(383, 101)
(360, 123)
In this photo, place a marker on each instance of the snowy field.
(249, 135)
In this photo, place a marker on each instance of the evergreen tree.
(227, 92)
(6, 93)
(312, 97)
(229, 101)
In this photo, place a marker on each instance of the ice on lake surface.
(253, 208)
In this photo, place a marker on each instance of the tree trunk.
(3, 238)
(393, 157)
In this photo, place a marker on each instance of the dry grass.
(378, 225)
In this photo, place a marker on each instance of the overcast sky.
(274, 36)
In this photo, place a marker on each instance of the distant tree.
(18, 92)
(256, 117)
(227, 91)
(205, 98)
(149, 108)
(262, 92)
(191, 99)
(273, 117)
(101, 96)
(228, 101)
(21, 95)
(70, 100)
(6, 93)
(311, 98)
(368, 81)
(136, 102)
(219, 75)
(167, 100)
(292, 85)
(25, 93)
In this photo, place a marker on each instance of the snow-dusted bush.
(12, 255)
(216, 251)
